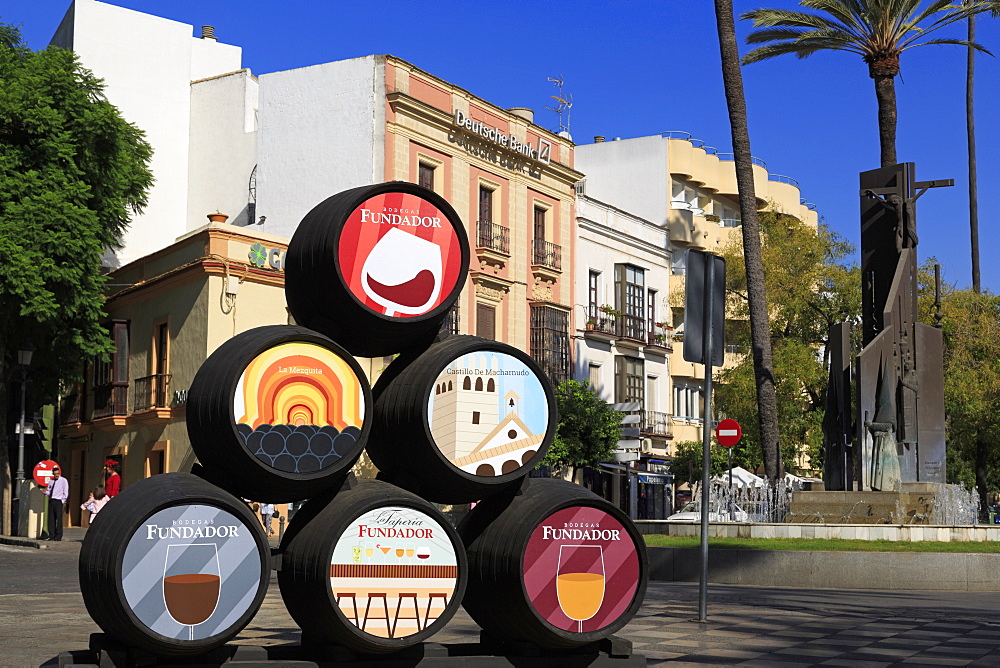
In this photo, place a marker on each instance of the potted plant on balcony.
(607, 309)
(591, 324)
(218, 217)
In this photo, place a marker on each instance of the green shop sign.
(260, 255)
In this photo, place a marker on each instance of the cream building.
(679, 194)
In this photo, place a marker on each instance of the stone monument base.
(913, 504)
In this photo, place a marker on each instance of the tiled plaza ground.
(752, 626)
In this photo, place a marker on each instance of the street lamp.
(24, 354)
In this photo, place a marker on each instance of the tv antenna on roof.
(564, 102)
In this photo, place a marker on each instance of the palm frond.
(958, 42)
(774, 35)
(768, 18)
(798, 48)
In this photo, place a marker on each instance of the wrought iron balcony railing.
(110, 400)
(493, 236)
(546, 254)
(71, 409)
(152, 392)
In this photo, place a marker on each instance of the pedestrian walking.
(113, 481)
(98, 499)
(266, 513)
(58, 493)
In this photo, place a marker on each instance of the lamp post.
(24, 361)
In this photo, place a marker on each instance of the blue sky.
(640, 68)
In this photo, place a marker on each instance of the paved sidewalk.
(762, 626)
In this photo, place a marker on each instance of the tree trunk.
(760, 332)
(885, 93)
(970, 127)
(6, 509)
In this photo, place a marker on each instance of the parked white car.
(716, 513)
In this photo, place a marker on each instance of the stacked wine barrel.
(282, 413)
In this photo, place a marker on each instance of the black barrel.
(278, 413)
(373, 568)
(376, 268)
(463, 420)
(554, 565)
(174, 565)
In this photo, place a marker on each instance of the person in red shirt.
(113, 483)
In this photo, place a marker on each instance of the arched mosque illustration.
(474, 427)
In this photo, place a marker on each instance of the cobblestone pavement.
(42, 613)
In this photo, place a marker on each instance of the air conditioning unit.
(647, 445)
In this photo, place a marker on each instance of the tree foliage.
(72, 172)
(588, 430)
(686, 465)
(971, 330)
(810, 286)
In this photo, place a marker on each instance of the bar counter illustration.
(390, 600)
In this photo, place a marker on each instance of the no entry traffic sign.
(728, 432)
(43, 472)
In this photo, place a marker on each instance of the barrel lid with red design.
(376, 268)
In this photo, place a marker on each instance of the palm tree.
(970, 128)
(760, 331)
(877, 30)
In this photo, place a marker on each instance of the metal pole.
(20, 436)
(706, 439)
(730, 452)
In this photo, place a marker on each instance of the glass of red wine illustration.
(402, 274)
(191, 583)
(580, 581)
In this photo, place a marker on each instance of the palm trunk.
(760, 332)
(885, 93)
(982, 452)
(970, 127)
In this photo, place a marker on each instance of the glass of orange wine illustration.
(580, 581)
(402, 274)
(191, 583)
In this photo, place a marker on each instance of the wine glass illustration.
(402, 273)
(580, 581)
(191, 583)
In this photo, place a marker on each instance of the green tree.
(757, 295)
(685, 465)
(72, 172)
(588, 430)
(813, 286)
(877, 30)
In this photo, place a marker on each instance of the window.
(111, 377)
(486, 317)
(451, 321)
(651, 382)
(593, 293)
(156, 458)
(425, 175)
(630, 300)
(688, 400)
(539, 224)
(594, 377)
(550, 341)
(475, 417)
(485, 204)
(651, 313)
(629, 378)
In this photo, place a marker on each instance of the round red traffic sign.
(43, 472)
(728, 432)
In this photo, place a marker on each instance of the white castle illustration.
(474, 427)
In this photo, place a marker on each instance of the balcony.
(111, 401)
(546, 254)
(494, 237)
(655, 423)
(71, 409)
(659, 337)
(152, 392)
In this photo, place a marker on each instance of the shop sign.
(493, 137)
(261, 256)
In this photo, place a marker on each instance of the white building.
(162, 79)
